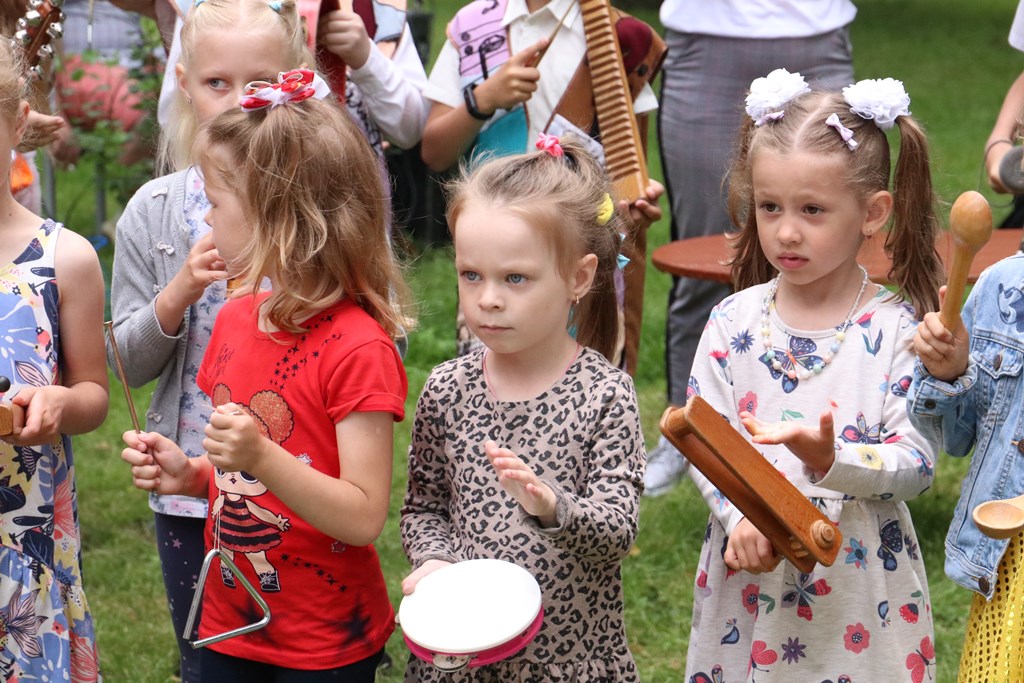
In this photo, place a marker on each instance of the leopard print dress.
(582, 437)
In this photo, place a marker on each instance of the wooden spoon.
(1000, 518)
(970, 222)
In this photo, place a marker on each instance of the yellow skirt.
(994, 643)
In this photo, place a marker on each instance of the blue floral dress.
(868, 616)
(46, 630)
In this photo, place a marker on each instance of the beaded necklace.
(797, 369)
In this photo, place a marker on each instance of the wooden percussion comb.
(620, 134)
(796, 528)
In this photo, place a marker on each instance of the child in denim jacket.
(967, 392)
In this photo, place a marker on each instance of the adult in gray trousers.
(715, 49)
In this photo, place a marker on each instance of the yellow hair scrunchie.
(606, 210)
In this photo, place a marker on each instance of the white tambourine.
(471, 613)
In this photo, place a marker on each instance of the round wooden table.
(706, 258)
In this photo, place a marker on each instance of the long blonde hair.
(12, 89)
(910, 242)
(561, 197)
(224, 16)
(311, 191)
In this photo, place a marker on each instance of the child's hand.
(42, 130)
(522, 483)
(645, 210)
(749, 550)
(202, 268)
(514, 82)
(815, 447)
(344, 34)
(993, 159)
(158, 464)
(428, 567)
(233, 442)
(44, 409)
(945, 353)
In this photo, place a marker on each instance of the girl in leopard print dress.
(529, 450)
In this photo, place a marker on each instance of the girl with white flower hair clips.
(811, 180)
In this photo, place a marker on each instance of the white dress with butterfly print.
(868, 616)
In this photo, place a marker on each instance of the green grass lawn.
(955, 62)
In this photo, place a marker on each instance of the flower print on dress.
(750, 597)
(742, 342)
(856, 554)
(18, 321)
(793, 650)
(857, 638)
(748, 403)
(721, 357)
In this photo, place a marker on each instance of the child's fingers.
(526, 55)
(428, 567)
(731, 559)
(827, 426)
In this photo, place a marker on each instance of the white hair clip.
(881, 100)
(845, 133)
(769, 94)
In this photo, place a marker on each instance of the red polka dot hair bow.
(550, 144)
(291, 86)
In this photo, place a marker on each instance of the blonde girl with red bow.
(307, 383)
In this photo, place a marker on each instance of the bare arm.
(451, 130)
(77, 402)
(351, 508)
(1004, 131)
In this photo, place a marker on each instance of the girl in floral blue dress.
(51, 291)
(812, 362)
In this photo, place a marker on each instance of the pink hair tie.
(549, 143)
(291, 86)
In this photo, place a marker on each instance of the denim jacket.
(985, 409)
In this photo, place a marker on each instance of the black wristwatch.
(467, 94)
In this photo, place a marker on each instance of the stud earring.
(577, 299)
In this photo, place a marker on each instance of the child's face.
(230, 228)
(809, 224)
(224, 62)
(511, 292)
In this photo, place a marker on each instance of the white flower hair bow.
(879, 99)
(769, 94)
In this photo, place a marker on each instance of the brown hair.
(561, 197)
(223, 16)
(311, 189)
(910, 242)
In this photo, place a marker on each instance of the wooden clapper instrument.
(796, 528)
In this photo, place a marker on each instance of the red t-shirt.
(328, 601)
